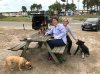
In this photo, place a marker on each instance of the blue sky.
(15, 5)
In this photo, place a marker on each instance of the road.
(28, 25)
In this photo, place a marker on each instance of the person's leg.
(55, 42)
(69, 44)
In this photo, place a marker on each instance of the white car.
(91, 23)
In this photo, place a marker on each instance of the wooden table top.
(37, 38)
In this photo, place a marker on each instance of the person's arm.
(71, 34)
(49, 32)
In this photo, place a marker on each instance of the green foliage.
(83, 17)
(33, 7)
(90, 4)
(58, 7)
(36, 6)
(63, 6)
(55, 7)
(24, 9)
(50, 13)
(71, 7)
(60, 58)
(39, 7)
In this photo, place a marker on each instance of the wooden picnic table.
(38, 38)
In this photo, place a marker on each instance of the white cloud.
(15, 5)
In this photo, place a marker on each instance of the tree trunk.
(99, 9)
(72, 1)
(65, 6)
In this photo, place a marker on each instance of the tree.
(39, 7)
(33, 7)
(24, 9)
(97, 3)
(71, 6)
(36, 6)
(63, 0)
(55, 7)
(99, 7)
(90, 4)
(63, 6)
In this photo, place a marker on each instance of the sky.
(15, 5)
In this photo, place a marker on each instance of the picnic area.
(72, 65)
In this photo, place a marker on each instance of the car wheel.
(97, 28)
(83, 29)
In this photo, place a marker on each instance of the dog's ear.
(82, 41)
(29, 65)
(77, 42)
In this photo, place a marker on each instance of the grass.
(27, 19)
(15, 19)
(83, 17)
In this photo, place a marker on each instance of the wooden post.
(24, 54)
(23, 26)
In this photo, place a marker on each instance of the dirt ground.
(72, 65)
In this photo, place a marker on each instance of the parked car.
(38, 20)
(91, 23)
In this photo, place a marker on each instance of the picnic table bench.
(59, 50)
(38, 38)
(17, 46)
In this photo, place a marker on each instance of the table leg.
(24, 54)
(40, 44)
(49, 50)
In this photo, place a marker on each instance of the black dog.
(84, 49)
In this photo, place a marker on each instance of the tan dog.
(20, 61)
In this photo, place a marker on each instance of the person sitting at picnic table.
(68, 31)
(59, 34)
